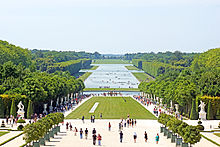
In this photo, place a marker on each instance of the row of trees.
(40, 129)
(190, 134)
(19, 83)
(186, 87)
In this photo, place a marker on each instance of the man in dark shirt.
(121, 136)
(94, 139)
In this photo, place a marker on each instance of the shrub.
(219, 125)
(199, 122)
(21, 121)
(200, 127)
(20, 127)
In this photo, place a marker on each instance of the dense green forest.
(38, 76)
(191, 84)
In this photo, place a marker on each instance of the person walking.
(99, 139)
(145, 136)
(86, 133)
(109, 126)
(67, 126)
(75, 130)
(83, 119)
(101, 116)
(71, 127)
(119, 126)
(94, 138)
(81, 133)
(157, 138)
(91, 118)
(135, 137)
(93, 131)
(121, 136)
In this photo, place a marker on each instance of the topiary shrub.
(199, 122)
(20, 127)
(21, 121)
(219, 125)
(200, 127)
(3, 124)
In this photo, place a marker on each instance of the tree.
(193, 114)
(209, 111)
(2, 109)
(13, 108)
(29, 109)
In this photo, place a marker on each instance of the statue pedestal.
(21, 114)
(202, 115)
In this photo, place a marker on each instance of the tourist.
(135, 137)
(119, 127)
(91, 118)
(81, 133)
(99, 139)
(75, 130)
(93, 131)
(67, 126)
(83, 119)
(135, 122)
(86, 133)
(71, 127)
(94, 139)
(132, 123)
(121, 136)
(101, 116)
(145, 136)
(157, 138)
(109, 126)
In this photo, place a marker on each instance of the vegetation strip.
(3, 133)
(85, 76)
(142, 77)
(210, 140)
(11, 139)
(132, 68)
(112, 89)
(217, 134)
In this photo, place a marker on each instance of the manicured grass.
(112, 108)
(94, 67)
(141, 76)
(3, 133)
(111, 89)
(217, 134)
(132, 68)
(85, 76)
(111, 61)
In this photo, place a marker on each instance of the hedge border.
(10, 139)
(210, 140)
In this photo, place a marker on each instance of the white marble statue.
(177, 108)
(45, 109)
(51, 106)
(20, 111)
(202, 113)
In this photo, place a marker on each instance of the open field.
(85, 76)
(112, 108)
(3, 133)
(142, 76)
(132, 68)
(110, 61)
(111, 89)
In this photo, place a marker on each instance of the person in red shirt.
(99, 138)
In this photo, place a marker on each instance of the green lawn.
(132, 68)
(3, 133)
(94, 68)
(110, 61)
(217, 134)
(141, 76)
(111, 89)
(112, 108)
(85, 76)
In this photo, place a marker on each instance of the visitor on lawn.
(83, 119)
(101, 116)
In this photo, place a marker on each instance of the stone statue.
(57, 101)
(20, 106)
(202, 113)
(202, 106)
(20, 111)
(45, 109)
(177, 108)
(51, 106)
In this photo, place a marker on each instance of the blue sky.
(112, 26)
